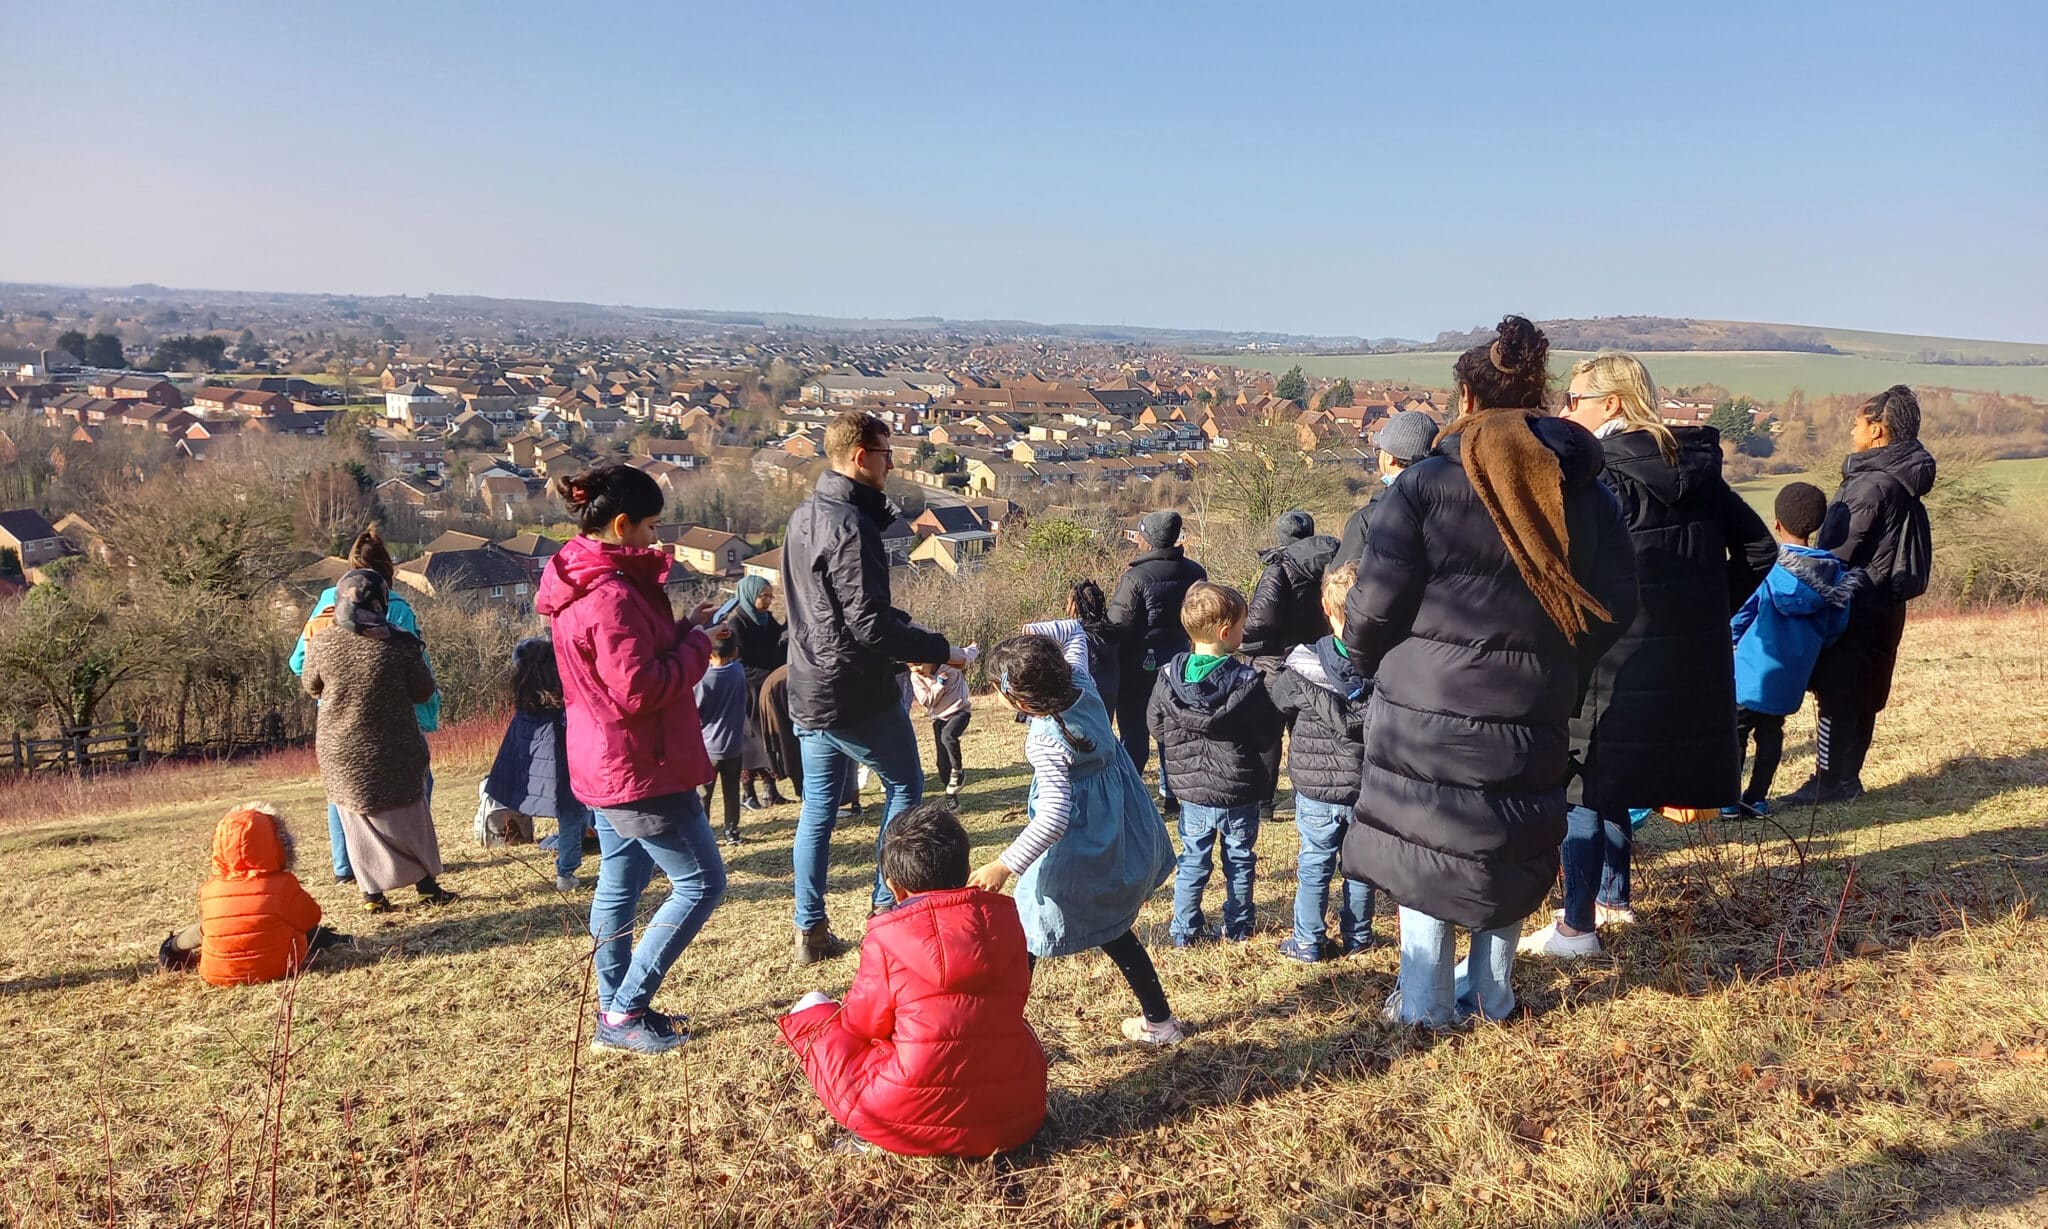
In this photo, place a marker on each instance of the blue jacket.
(400, 615)
(1801, 607)
(722, 706)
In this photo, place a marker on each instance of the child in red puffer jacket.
(930, 1055)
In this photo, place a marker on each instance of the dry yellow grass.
(1727, 1066)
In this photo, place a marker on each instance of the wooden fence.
(77, 748)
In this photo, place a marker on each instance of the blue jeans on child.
(629, 974)
(1321, 825)
(1596, 863)
(1436, 991)
(1200, 829)
(570, 826)
(887, 744)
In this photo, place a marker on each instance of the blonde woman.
(1657, 725)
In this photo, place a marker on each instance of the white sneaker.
(1550, 941)
(1391, 1013)
(566, 883)
(1170, 1032)
(1605, 915)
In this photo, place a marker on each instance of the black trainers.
(432, 893)
(1821, 791)
(730, 839)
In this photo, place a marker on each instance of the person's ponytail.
(603, 493)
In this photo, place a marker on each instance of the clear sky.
(1354, 169)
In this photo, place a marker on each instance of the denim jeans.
(1200, 828)
(1596, 861)
(886, 743)
(629, 974)
(1321, 825)
(1436, 992)
(570, 826)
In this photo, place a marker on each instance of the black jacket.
(1322, 695)
(845, 639)
(763, 646)
(1461, 807)
(1351, 547)
(1146, 605)
(1214, 735)
(1657, 727)
(1287, 603)
(1105, 663)
(1862, 529)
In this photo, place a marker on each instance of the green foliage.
(1337, 394)
(10, 561)
(1731, 416)
(73, 341)
(1292, 386)
(174, 353)
(102, 350)
(946, 461)
(1058, 536)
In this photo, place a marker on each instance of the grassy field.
(1766, 375)
(1840, 1019)
(2025, 482)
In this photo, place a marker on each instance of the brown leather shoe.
(817, 944)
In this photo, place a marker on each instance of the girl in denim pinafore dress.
(1094, 848)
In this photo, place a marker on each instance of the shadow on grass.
(1955, 788)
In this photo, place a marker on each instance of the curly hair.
(1032, 673)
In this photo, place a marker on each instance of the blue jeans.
(570, 826)
(1321, 825)
(885, 742)
(1436, 992)
(629, 974)
(337, 840)
(1596, 862)
(1200, 827)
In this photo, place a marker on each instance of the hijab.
(361, 599)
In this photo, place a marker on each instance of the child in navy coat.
(1801, 607)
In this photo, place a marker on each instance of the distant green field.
(2025, 482)
(1765, 375)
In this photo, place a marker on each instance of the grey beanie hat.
(1294, 526)
(1161, 528)
(1408, 436)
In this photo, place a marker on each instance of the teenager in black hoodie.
(1216, 727)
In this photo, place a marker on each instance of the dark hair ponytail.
(1031, 671)
(599, 494)
(1512, 372)
(535, 684)
(369, 551)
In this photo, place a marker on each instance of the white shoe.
(1391, 1013)
(566, 883)
(1550, 941)
(1170, 1032)
(1605, 915)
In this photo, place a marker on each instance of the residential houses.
(34, 541)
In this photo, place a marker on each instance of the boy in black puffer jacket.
(1216, 727)
(1324, 698)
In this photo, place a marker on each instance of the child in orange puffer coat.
(256, 924)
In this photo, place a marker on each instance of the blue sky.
(1350, 169)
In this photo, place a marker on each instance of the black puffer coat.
(1322, 695)
(1287, 603)
(1215, 735)
(1351, 547)
(1862, 529)
(1461, 808)
(1146, 605)
(1657, 727)
(845, 639)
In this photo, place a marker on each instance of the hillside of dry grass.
(1839, 1019)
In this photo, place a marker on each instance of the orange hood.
(251, 840)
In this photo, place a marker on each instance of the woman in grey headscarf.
(367, 675)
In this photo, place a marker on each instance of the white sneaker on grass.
(1550, 941)
(1605, 915)
(1166, 1033)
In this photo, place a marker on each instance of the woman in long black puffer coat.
(1657, 726)
(1495, 575)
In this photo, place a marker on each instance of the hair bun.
(1519, 346)
(574, 489)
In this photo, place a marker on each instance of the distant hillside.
(1667, 333)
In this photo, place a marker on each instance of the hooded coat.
(1461, 807)
(255, 921)
(845, 639)
(1286, 607)
(1657, 727)
(1217, 735)
(1324, 698)
(1862, 529)
(1801, 607)
(930, 1055)
(628, 673)
(1146, 605)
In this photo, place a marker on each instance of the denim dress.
(1087, 889)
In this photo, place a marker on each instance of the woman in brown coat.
(367, 676)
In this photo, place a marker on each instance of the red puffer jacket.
(930, 1055)
(628, 670)
(254, 918)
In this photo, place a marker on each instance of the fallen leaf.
(1985, 1049)
(1943, 1067)
(2032, 1054)
(1620, 1047)
(1219, 1216)
(1767, 1082)
(1745, 1073)
(1867, 948)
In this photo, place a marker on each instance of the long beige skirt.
(394, 848)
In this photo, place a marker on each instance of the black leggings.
(1135, 964)
(728, 779)
(946, 732)
(1769, 732)
(1842, 741)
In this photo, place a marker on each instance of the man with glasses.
(846, 646)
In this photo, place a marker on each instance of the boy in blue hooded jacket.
(1801, 608)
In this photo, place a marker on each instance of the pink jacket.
(628, 670)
